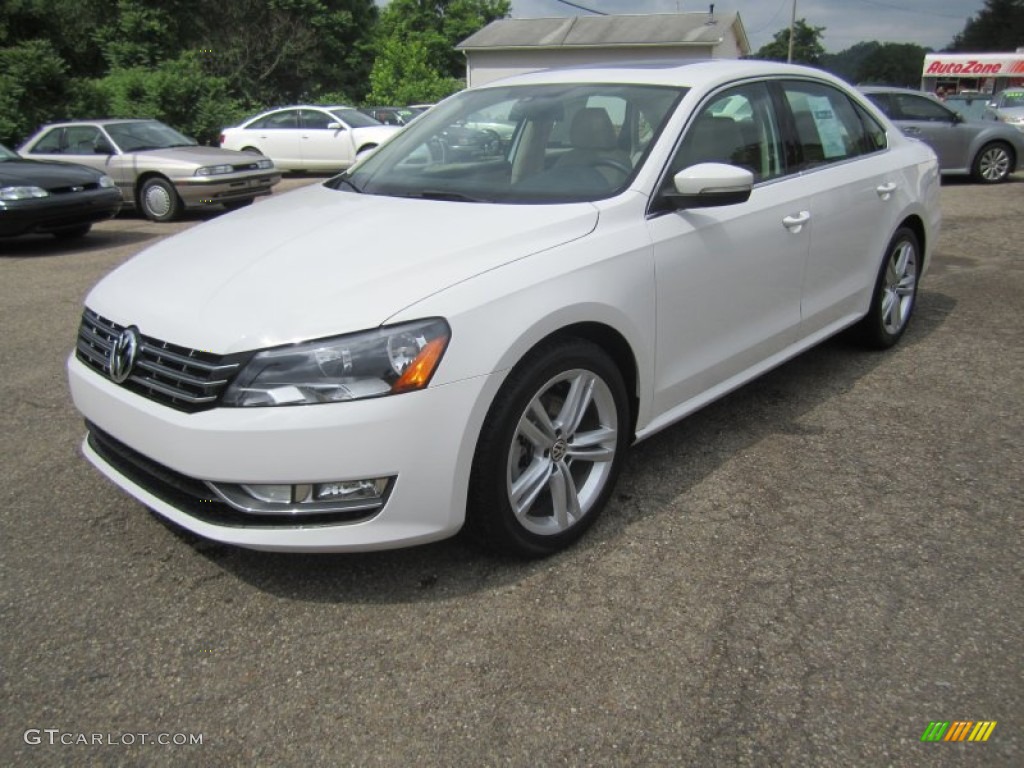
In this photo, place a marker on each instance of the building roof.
(661, 29)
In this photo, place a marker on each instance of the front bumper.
(198, 191)
(424, 440)
(55, 213)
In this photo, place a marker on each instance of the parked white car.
(297, 377)
(308, 137)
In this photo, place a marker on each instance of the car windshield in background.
(521, 144)
(1013, 98)
(139, 136)
(973, 107)
(353, 118)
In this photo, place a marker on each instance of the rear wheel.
(550, 450)
(895, 295)
(993, 163)
(158, 200)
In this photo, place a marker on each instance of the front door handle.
(796, 222)
(885, 190)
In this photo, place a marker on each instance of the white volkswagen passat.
(297, 377)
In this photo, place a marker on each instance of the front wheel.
(895, 294)
(159, 200)
(993, 163)
(550, 450)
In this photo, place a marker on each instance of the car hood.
(318, 262)
(377, 133)
(43, 174)
(197, 155)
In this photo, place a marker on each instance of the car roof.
(697, 73)
(891, 89)
(102, 121)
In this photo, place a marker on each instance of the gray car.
(1009, 107)
(987, 150)
(157, 169)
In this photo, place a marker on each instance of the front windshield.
(1011, 99)
(151, 134)
(521, 144)
(353, 118)
(6, 154)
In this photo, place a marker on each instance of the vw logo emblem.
(122, 354)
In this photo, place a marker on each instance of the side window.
(920, 108)
(828, 126)
(315, 120)
(278, 120)
(736, 127)
(49, 144)
(874, 133)
(81, 139)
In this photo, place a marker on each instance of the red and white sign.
(974, 64)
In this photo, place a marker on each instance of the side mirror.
(335, 127)
(706, 185)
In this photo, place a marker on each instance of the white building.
(513, 46)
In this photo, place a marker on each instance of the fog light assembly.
(337, 496)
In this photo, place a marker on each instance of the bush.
(177, 92)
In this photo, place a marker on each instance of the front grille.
(194, 497)
(76, 188)
(186, 379)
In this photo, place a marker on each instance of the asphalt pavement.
(807, 573)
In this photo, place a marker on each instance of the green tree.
(277, 51)
(893, 64)
(998, 27)
(34, 89)
(416, 60)
(403, 74)
(807, 47)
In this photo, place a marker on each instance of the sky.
(928, 23)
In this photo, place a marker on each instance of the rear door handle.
(885, 190)
(796, 222)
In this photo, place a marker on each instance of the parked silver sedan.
(157, 169)
(987, 150)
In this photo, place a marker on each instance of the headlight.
(106, 182)
(384, 361)
(22, 193)
(214, 170)
(266, 162)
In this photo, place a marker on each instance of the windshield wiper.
(444, 194)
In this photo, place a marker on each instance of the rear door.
(854, 188)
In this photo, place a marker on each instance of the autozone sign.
(974, 65)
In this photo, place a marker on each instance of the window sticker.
(830, 129)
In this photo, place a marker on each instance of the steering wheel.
(615, 165)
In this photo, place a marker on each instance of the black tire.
(895, 294)
(158, 200)
(234, 205)
(993, 163)
(72, 233)
(539, 481)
